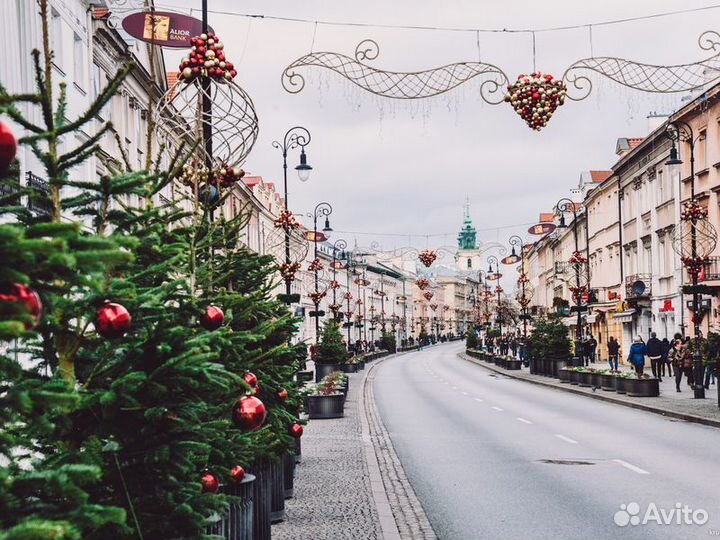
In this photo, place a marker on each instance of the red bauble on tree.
(8, 147)
(296, 430)
(237, 473)
(17, 293)
(213, 318)
(112, 320)
(209, 483)
(251, 379)
(249, 413)
(282, 394)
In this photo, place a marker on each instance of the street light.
(295, 137)
(322, 209)
(492, 259)
(677, 132)
(517, 241)
(566, 205)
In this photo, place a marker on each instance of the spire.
(467, 237)
(467, 208)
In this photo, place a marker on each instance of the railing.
(711, 270)
(562, 267)
(638, 286)
(39, 198)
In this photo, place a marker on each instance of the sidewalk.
(680, 405)
(350, 484)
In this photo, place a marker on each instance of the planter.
(277, 492)
(238, 523)
(304, 376)
(348, 368)
(557, 365)
(497, 361)
(607, 381)
(324, 407)
(574, 377)
(564, 375)
(513, 364)
(585, 378)
(289, 475)
(596, 380)
(298, 451)
(361, 365)
(261, 499)
(620, 385)
(642, 387)
(321, 370)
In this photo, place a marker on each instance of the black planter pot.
(348, 368)
(324, 407)
(277, 492)
(361, 365)
(513, 364)
(289, 475)
(304, 376)
(642, 387)
(322, 370)
(585, 379)
(574, 377)
(497, 361)
(564, 375)
(262, 495)
(298, 451)
(238, 523)
(620, 387)
(607, 382)
(596, 379)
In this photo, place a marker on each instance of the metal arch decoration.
(534, 96)
(396, 84)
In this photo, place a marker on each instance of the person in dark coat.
(613, 353)
(636, 356)
(666, 358)
(654, 350)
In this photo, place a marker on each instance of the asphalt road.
(493, 458)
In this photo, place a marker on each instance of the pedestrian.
(654, 351)
(513, 346)
(688, 365)
(665, 360)
(592, 348)
(680, 356)
(613, 353)
(636, 356)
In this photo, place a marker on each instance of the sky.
(392, 169)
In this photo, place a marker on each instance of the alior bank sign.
(163, 28)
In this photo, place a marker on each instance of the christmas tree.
(331, 349)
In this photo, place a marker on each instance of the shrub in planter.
(331, 353)
(642, 386)
(547, 343)
(607, 380)
(586, 377)
(387, 342)
(327, 398)
(471, 340)
(574, 375)
(620, 382)
(564, 375)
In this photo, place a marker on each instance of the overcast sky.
(405, 168)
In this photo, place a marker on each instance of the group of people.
(675, 356)
(507, 344)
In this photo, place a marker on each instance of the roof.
(625, 144)
(600, 176)
(251, 181)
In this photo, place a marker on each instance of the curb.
(640, 406)
(400, 513)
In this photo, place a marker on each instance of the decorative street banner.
(542, 228)
(163, 28)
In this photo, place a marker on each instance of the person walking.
(654, 351)
(665, 360)
(592, 348)
(636, 356)
(613, 353)
(679, 357)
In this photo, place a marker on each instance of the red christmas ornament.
(296, 430)
(22, 294)
(249, 413)
(112, 320)
(8, 147)
(251, 379)
(237, 473)
(282, 394)
(209, 483)
(213, 318)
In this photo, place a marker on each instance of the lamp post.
(677, 132)
(566, 205)
(295, 137)
(517, 241)
(322, 209)
(338, 245)
(349, 270)
(492, 259)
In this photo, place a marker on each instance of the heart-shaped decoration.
(535, 98)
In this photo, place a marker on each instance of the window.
(56, 37)
(469, 262)
(702, 150)
(78, 61)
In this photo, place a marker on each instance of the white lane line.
(464, 393)
(630, 466)
(478, 400)
(566, 439)
(523, 420)
(498, 408)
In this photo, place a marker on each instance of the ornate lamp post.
(340, 246)
(294, 137)
(515, 241)
(694, 239)
(492, 259)
(577, 261)
(322, 209)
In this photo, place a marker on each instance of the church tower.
(468, 254)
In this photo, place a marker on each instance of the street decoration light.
(694, 239)
(492, 259)
(321, 210)
(524, 295)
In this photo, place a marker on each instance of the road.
(494, 458)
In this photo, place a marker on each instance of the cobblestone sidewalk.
(350, 484)
(669, 403)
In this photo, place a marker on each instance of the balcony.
(39, 196)
(562, 268)
(638, 286)
(711, 270)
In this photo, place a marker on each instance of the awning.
(570, 321)
(624, 316)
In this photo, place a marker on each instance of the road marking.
(523, 420)
(464, 393)
(566, 439)
(478, 399)
(630, 466)
(498, 408)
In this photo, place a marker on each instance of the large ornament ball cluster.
(535, 97)
(207, 59)
(427, 257)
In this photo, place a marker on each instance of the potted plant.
(388, 342)
(620, 382)
(472, 343)
(564, 375)
(574, 375)
(513, 363)
(331, 354)
(607, 380)
(585, 378)
(548, 346)
(641, 385)
(327, 398)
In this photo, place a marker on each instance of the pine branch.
(91, 144)
(44, 89)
